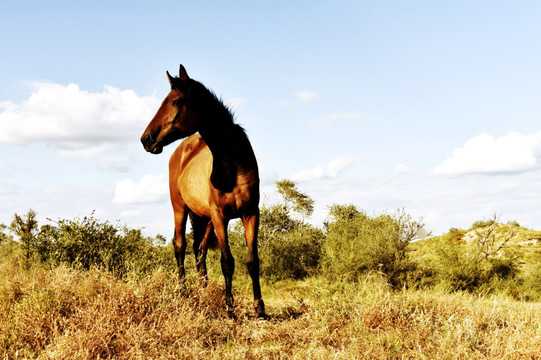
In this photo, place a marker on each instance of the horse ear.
(182, 74)
(171, 79)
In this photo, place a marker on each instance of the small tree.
(294, 200)
(490, 238)
(25, 227)
(4, 237)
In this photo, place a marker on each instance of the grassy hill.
(489, 257)
(519, 242)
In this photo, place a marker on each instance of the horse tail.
(212, 241)
(203, 231)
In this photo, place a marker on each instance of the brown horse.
(213, 177)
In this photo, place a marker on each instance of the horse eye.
(177, 102)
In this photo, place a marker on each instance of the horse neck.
(229, 146)
(225, 139)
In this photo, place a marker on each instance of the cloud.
(86, 152)
(150, 189)
(332, 119)
(72, 118)
(484, 154)
(130, 213)
(401, 169)
(301, 97)
(306, 96)
(331, 170)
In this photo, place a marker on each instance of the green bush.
(456, 265)
(531, 279)
(357, 243)
(87, 242)
(294, 255)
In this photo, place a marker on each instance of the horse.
(213, 177)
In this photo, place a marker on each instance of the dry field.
(70, 314)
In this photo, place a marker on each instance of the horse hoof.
(231, 314)
(263, 317)
(182, 281)
(259, 306)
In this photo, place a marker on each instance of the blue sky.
(430, 106)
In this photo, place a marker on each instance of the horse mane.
(205, 96)
(219, 120)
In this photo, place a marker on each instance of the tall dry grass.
(70, 314)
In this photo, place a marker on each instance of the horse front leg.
(227, 260)
(179, 240)
(251, 226)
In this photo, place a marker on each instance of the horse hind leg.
(202, 230)
(251, 226)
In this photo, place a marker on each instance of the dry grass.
(69, 314)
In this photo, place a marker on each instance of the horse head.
(177, 116)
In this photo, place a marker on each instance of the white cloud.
(483, 154)
(331, 170)
(301, 97)
(401, 169)
(86, 152)
(130, 213)
(286, 103)
(443, 202)
(150, 189)
(72, 118)
(331, 119)
(306, 96)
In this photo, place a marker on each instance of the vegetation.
(357, 243)
(85, 243)
(362, 286)
(290, 247)
(65, 313)
(489, 258)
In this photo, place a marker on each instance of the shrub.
(531, 278)
(294, 255)
(356, 243)
(87, 242)
(456, 265)
(4, 237)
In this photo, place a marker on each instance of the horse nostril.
(146, 139)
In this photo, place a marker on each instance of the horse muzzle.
(150, 144)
